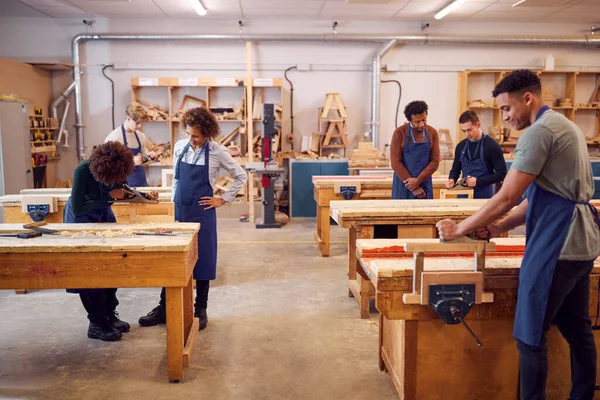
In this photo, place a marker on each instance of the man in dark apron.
(479, 157)
(414, 155)
(95, 186)
(129, 134)
(563, 234)
(198, 161)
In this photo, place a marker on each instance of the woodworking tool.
(38, 212)
(36, 226)
(461, 183)
(269, 170)
(348, 192)
(24, 235)
(134, 196)
(452, 303)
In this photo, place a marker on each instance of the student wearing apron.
(414, 154)
(95, 188)
(563, 234)
(198, 161)
(479, 158)
(130, 135)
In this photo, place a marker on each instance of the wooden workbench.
(414, 218)
(125, 212)
(57, 262)
(371, 188)
(429, 359)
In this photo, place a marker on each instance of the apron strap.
(183, 152)
(124, 135)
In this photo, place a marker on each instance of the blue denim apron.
(193, 182)
(415, 158)
(477, 169)
(138, 177)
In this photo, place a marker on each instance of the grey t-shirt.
(554, 149)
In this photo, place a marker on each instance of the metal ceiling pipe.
(375, 90)
(63, 96)
(330, 38)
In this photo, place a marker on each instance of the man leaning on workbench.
(479, 157)
(414, 155)
(553, 169)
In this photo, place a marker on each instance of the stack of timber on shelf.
(162, 150)
(332, 128)
(446, 140)
(365, 156)
(576, 94)
(224, 97)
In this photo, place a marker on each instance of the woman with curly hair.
(97, 183)
(198, 161)
(130, 135)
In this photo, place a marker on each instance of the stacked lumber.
(548, 97)
(162, 150)
(155, 112)
(365, 156)
(478, 104)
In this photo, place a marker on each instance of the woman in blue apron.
(197, 165)
(95, 186)
(476, 168)
(136, 116)
(563, 235)
(138, 178)
(415, 158)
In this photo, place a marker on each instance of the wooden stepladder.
(334, 137)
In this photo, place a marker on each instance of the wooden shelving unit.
(42, 134)
(581, 87)
(215, 93)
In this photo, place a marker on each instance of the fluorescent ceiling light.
(450, 8)
(198, 7)
(519, 2)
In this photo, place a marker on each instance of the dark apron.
(193, 182)
(102, 214)
(547, 224)
(477, 169)
(415, 158)
(138, 177)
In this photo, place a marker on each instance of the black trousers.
(201, 295)
(99, 303)
(568, 308)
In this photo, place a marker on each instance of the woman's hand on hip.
(211, 202)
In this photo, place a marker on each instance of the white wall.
(427, 72)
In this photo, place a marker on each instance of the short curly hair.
(111, 163)
(415, 108)
(519, 81)
(202, 119)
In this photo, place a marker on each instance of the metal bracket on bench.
(348, 192)
(38, 212)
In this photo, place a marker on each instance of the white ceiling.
(556, 11)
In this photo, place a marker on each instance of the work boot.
(200, 313)
(103, 331)
(154, 317)
(115, 322)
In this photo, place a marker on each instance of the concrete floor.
(281, 326)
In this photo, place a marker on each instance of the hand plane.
(460, 184)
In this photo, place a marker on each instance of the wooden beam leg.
(191, 325)
(325, 231)
(175, 333)
(381, 363)
(365, 297)
(353, 289)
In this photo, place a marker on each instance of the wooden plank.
(85, 270)
(175, 332)
(420, 247)
(92, 243)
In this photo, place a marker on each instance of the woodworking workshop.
(300, 199)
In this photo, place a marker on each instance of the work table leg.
(175, 333)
